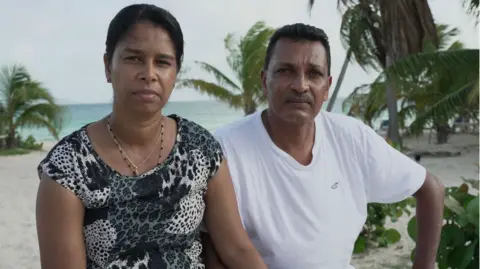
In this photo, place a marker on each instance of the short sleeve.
(59, 165)
(390, 175)
(215, 154)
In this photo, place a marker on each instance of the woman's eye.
(163, 62)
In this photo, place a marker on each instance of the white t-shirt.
(309, 217)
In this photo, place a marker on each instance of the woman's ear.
(106, 63)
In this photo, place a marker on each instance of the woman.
(130, 190)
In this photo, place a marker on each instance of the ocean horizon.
(210, 114)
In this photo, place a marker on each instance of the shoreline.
(19, 182)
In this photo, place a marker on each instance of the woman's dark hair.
(131, 15)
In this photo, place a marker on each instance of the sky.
(62, 43)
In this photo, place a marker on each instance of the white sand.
(19, 182)
(449, 170)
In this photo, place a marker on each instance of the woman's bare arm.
(223, 222)
(59, 216)
(211, 259)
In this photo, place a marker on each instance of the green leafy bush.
(458, 248)
(374, 233)
(30, 143)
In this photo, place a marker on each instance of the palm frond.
(472, 8)
(218, 92)
(360, 32)
(457, 61)
(254, 47)
(473, 96)
(445, 35)
(245, 56)
(42, 115)
(221, 78)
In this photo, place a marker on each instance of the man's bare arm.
(429, 221)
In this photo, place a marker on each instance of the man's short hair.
(298, 32)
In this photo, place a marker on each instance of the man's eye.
(315, 73)
(133, 58)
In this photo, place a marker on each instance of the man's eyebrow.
(132, 50)
(289, 64)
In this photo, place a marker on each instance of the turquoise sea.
(209, 114)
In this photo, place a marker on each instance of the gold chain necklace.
(127, 160)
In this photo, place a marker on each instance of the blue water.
(209, 114)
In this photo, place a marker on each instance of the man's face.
(296, 81)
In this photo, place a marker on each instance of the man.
(303, 178)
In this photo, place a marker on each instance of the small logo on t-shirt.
(335, 185)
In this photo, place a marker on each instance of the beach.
(19, 182)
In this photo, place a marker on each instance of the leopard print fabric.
(147, 221)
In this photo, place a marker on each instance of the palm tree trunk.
(393, 134)
(339, 81)
(406, 24)
(10, 140)
(443, 132)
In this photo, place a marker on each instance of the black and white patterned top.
(147, 221)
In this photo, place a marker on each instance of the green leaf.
(453, 205)
(392, 236)
(461, 197)
(399, 213)
(443, 251)
(472, 211)
(462, 220)
(454, 236)
(467, 256)
(412, 254)
(461, 256)
(379, 229)
(360, 244)
(412, 228)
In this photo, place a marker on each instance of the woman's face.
(143, 68)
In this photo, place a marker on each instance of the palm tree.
(25, 103)
(246, 58)
(434, 87)
(397, 18)
(361, 37)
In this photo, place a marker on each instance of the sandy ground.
(450, 171)
(19, 181)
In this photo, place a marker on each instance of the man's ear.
(263, 77)
(325, 96)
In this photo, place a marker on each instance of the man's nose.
(300, 83)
